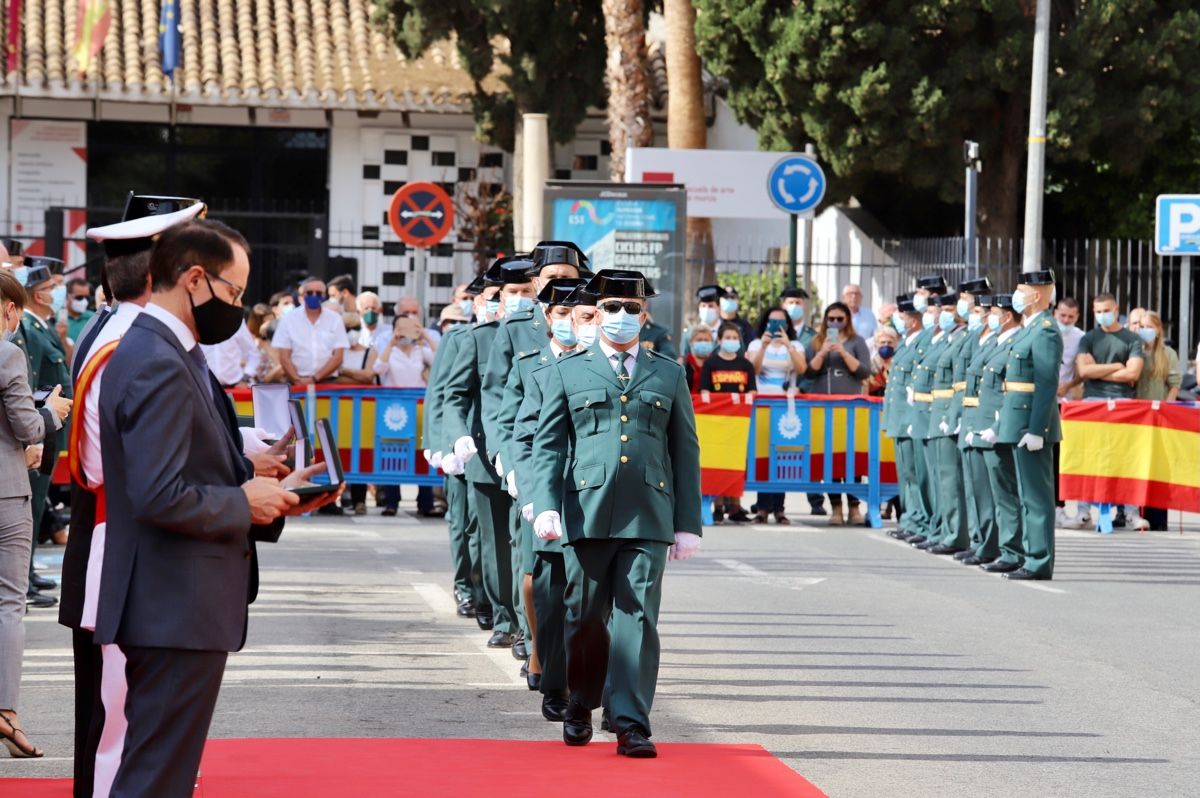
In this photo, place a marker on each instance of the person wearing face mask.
(887, 341)
(1000, 548)
(374, 332)
(657, 337)
(26, 432)
(942, 434)
(183, 513)
(310, 342)
(1160, 382)
(795, 302)
(438, 452)
(728, 371)
(730, 305)
(341, 290)
(981, 515)
(544, 610)
(701, 347)
(897, 421)
(282, 303)
(708, 314)
(48, 360)
(79, 295)
(616, 470)
(1029, 420)
(1110, 361)
(468, 437)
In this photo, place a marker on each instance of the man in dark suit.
(183, 512)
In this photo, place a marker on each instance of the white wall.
(842, 254)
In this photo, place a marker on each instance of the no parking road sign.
(421, 214)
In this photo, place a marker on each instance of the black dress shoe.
(818, 509)
(534, 682)
(1022, 574)
(39, 600)
(577, 725)
(466, 609)
(554, 708)
(926, 544)
(606, 724)
(944, 549)
(635, 745)
(964, 554)
(500, 640)
(1000, 567)
(484, 619)
(974, 559)
(916, 540)
(520, 649)
(42, 583)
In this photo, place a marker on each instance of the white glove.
(686, 544)
(436, 460)
(957, 427)
(910, 395)
(527, 512)
(988, 436)
(498, 464)
(254, 440)
(452, 465)
(511, 479)
(1033, 443)
(944, 427)
(970, 438)
(464, 449)
(548, 525)
(428, 455)
(908, 432)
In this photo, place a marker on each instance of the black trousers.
(89, 711)
(169, 702)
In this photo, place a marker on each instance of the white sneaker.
(1083, 522)
(1135, 521)
(1061, 519)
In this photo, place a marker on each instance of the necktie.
(618, 360)
(197, 356)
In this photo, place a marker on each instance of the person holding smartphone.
(778, 360)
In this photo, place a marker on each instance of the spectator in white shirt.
(374, 331)
(1067, 315)
(311, 341)
(863, 318)
(234, 361)
(407, 354)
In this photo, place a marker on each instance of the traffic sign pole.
(793, 220)
(1185, 310)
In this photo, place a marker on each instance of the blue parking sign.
(1177, 224)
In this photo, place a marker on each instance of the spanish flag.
(723, 425)
(1133, 453)
(92, 21)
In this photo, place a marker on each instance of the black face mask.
(216, 320)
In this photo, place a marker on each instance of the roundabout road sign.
(422, 214)
(796, 184)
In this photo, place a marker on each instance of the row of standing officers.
(972, 406)
(573, 476)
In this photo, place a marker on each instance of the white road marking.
(1039, 586)
(440, 600)
(762, 577)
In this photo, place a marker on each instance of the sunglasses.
(314, 293)
(835, 318)
(614, 306)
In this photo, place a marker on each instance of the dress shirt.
(630, 356)
(113, 330)
(1071, 339)
(865, 323)
(234, 360)
(311, 344)
(404, 369)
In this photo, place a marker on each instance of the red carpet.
(301, 768)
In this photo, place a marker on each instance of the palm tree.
(628, 84)
(687, 128)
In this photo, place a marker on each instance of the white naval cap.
(145, 219)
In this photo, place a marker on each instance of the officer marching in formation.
(972, 398)
(558, 410)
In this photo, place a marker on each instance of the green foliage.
(889, 89)
(553, 61)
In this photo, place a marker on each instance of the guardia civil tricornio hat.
(475, 287)
(1040, 277)
(978, 285)
(934, 283)
(1002, 301)
(793, 293)
(550, 253)
(621, 284)
(513, 270)
(904, 304)
(945, 300)
(984, 300)
(41, 269)
(560, 291)
(709, 293)
(145, 218)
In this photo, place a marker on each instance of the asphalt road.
(871, 668)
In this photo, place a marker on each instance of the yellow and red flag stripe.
(1132, 453)
(93, 18)
(723, 426)
(817, 417)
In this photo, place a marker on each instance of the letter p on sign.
(1177, 224)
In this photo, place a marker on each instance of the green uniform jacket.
(941, 408)
(618, 460)
(655, 337)
(895, 395)
(923, 376)
(431, 432)
(973, 378)
(1035, 357)
(47, 358)
(515, 336)
(462, 410)
(991, 389)
(514, 393)
(965, 353)
(524, 429)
